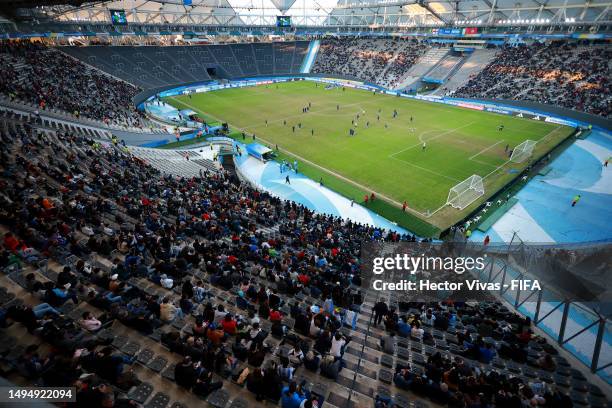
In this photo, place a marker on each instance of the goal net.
(466, 192)
(523, 151)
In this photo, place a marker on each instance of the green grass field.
(386, 155)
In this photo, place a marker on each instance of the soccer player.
(576, 199)
(404, 206)
(266, 122)
(287, 180)
(411, 119)
(424, 146)
(295, 166)
(500, 128)
(312, 132)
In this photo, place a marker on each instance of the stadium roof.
(342, 13)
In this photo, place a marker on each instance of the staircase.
(426, 63)
(475, 63)
(229, 165)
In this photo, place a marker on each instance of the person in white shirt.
(337, 347)
(166, 282)
(220, 314)
(314, 329)
(296, 355)
(416, 331)
(90, 323)
(428, 317)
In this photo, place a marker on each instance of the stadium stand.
(155, 66)
(106, 245)
(379, 61)
(560, 73)
(177, 163)
(36, 74)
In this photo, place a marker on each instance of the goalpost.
(466, 192)
(523, 151)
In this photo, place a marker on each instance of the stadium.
(306, 203)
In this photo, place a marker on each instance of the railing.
(582, 328)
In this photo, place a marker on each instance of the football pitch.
(386, 154)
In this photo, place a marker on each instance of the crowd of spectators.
(563, 74)
(380, 61)
(74, 196)
(34, 73)
(485, 334)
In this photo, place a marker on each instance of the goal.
(466, 192)
(523, 151)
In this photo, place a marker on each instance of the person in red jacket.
(10, 242)
(229, 325)
(275, 316)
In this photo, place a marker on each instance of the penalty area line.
(430, 139)
(485, 149)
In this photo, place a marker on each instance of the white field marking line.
(426, 169)
(333, 173)
(424, 133)
(495, 170)
(485, 149)
(508, 161)
(432, 138)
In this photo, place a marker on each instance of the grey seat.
(141, 392)
(157, 364)
(385, 376)
(159, 400)
(218, 398)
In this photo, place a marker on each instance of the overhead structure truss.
(346, 13)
